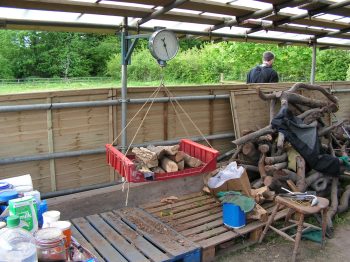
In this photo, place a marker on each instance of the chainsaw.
(307, 196)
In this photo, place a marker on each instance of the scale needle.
(164, 44)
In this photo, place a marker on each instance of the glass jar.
(50, 244)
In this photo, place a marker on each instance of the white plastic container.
(16, 244)
(50, 217)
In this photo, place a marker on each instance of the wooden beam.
(50, 145)
(110, 132)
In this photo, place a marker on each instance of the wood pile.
(162, 159)
(265, 151)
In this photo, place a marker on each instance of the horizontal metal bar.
(179, 98)
(130, 37)
(18, 108)
(40, 157)
(340, 91)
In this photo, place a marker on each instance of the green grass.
(43, 87)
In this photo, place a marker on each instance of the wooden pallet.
(199, 218)
(130, 234)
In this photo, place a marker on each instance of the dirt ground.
(277, 249)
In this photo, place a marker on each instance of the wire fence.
(53, 80)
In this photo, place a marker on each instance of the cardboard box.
(241, 184)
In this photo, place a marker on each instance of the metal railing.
(35, 80)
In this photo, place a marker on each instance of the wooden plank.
(98, 241)
(234, 115)
(185, 213)
(139, 241)
(198, 200)
(191, 205)
(110, 132)
(198, 222)
(160, 234)
(199, 215)
(51, 147)
(82, 241)
(208, 234)
(117, 241)
(181, 198)
(201, 228)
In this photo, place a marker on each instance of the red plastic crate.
(126, 167)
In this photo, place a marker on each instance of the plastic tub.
(233, 216)
(126, 168)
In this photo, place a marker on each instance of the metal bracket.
(128, 43)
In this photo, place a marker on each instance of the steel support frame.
(313, 63)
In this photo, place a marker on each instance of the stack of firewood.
(162, 159)
(266, 152)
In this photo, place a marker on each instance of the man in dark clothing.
(263, 73)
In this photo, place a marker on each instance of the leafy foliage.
(50, 54)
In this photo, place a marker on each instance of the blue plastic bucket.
(233, 216)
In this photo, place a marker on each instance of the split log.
(301, 184)
(280, 143)
(179, 156)
(249, 150)
(251, 168)
(170, 150)
(244, 139)
(265, 138)
(258, 213)
(169, 165)
(320, 184)
(276, 159)
(148, 157)
(298, 86)
(257, 183)
(158, 150)
(326, 130)
(157, 169)
(262, 193)
(192, 161)
(272, 109)
(289, 97)
(334, 205)
(344, 201)
(181, 165)
(237, 151)
(312, 178)
(277, 166)
(147, 173)
(292, 186)
(313, 111)
(264, 148)
(261, 166)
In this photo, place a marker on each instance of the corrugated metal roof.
(281, 21)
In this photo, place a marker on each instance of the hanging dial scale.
(163, 45)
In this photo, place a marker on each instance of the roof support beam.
(309, 13)
(256, 14)
(332, 34)
(313, 64)
(159, 12)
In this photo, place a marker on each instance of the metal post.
(124, 47)
(313, 63)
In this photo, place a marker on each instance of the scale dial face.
(163, 45)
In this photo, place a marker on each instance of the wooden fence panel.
(36, 132)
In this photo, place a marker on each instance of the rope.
(189, 118)
(151, 96)
(143, 119)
